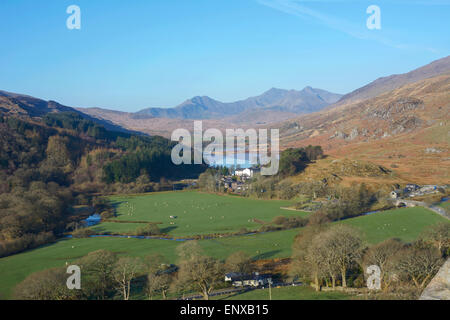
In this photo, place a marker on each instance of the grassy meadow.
(197, 213)
(405, 223)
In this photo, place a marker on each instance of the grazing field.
(287, 293)
(405, 224)
(196, 213)
(15, 268)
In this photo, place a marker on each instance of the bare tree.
(198, 271)
(382, 255)
(346, 245)
(304, 262)
(203, 273)
(188, 250)
(418, 263)
(324, 251)
(239, 262)
(154, 262)
(97, 269)
(158, 283)
(315, 262)
(125, 270)
(439, 236)
(45, 285)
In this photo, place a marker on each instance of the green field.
(197, 213)
(405, 224)
(287, 293)
(15, 268)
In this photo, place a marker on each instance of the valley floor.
(405, 224)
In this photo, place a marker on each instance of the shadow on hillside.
(266, 255)
(168, 229)
(115, 205)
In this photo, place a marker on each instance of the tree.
(125, 270)
(154, 262)
(57, 152)
(315, 261)
(439, 236)
(45, 285)
(239, 262)
(158, 280)
(418, 263)
(346, 245)
(158, 283)
(97, 269)
(326, 257)
(203, 273)
(292, 161)
(198, 271)
(302, 261)
(189, 250)
(208, 180)
(150, 229)
(382, 255)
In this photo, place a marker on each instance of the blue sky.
(135, 54)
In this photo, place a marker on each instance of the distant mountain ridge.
(305, 101)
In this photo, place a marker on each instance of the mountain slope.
(27, 106)
(381, 85)
(407, 129)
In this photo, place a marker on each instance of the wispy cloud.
(296, 8)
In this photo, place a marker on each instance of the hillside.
(345, 172)
(20, 105)
(51, 163)
(405, 129)
(385, 84)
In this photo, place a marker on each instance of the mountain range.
(300, 102)
(400, 120)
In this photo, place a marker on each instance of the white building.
(247, 172)
(245, 280)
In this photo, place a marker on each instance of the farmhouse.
(247, 172)
(246, 280)
(396, 194)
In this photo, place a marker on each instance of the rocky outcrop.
(439, 287)
(358, 168)
(397, 107)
